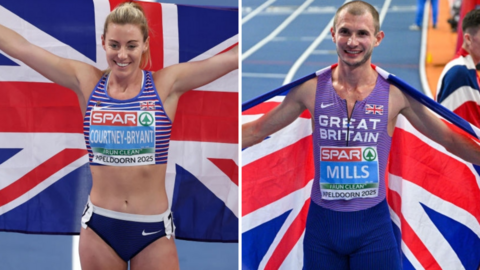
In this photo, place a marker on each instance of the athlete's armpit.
(297, 100)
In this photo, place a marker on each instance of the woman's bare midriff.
(134, 190)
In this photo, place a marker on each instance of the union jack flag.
(431, 193)
(44, 174)
(147, 105)
(373, 109)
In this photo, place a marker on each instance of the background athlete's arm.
(435, 129)
(282, 115)
(65, 72)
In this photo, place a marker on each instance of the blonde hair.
(131, 13)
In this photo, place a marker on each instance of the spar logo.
(369, 154)
(348, 154)
(122, 118)
(146, 119)
(341, 154)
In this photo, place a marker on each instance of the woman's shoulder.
(161, 76)
(89, 78)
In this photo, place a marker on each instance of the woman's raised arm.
(180, 78)
(65, 72)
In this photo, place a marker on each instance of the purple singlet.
(350, 169)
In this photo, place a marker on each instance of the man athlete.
(354, 112)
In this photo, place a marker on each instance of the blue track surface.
(266, 69)
(25, 252)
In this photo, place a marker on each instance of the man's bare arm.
(285, 113)
(434, 128)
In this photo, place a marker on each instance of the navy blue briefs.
(127, 234)
(350, 240)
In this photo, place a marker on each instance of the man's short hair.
(471, 22)
(358, 8)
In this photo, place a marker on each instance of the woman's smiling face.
(124, 46)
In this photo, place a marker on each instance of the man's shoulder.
(458, 73)
(394, 91)
(308, 85)
(460, 64)
(456, 66)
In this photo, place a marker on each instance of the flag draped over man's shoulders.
(44, 173)
(432, 194)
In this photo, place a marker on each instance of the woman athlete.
(127, 216)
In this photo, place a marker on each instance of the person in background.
(458, 85)
(466, 6)
(455, 15)
(419, 15)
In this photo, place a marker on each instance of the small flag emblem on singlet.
(374, 109)
(147, 105)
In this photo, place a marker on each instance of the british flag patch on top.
(374, 109)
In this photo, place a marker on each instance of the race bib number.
(122, 138)
(348, 172)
